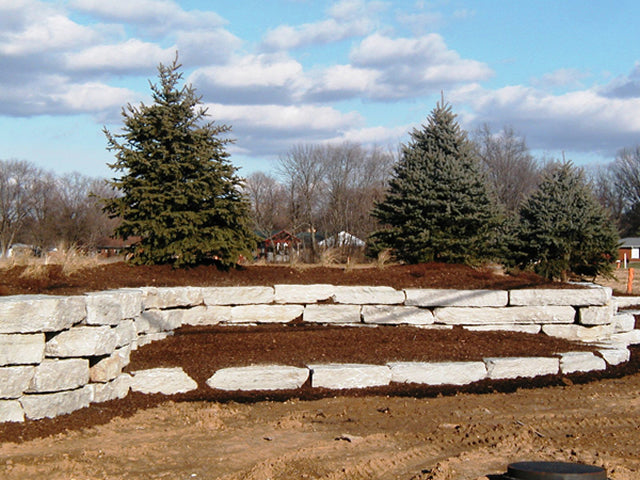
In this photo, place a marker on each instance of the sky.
(564, 74)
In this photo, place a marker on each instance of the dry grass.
(71, 259)
(384, 258)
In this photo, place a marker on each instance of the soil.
(404, 432)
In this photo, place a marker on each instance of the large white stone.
(626, 302)
(108, 368)
(82, 341)
(40, 313)
(148, 338)
(615, 356)
(125, 332)
(561, 296)
(596, 315)
(331, 314)
(349, 375)
(508, 315)
(440, 297)
(626, 338)
(156, 321)
(207, 315)
(265, 313)
(438, 373)
(56, 375)
(578, 332)
(51, 405)
(14, 381)
(117, 388)
(513, 367)
(519, 328)
(368, 295)
(396, 315)
(238, 295)
(11, 411)
(170, 297)
(303, 294)
(162, 380)
(112, 306)
(19, 349)
(580, 362)
(624, 322)
(259, 377)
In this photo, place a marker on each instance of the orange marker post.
(630, 281)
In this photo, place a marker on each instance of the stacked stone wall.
(59, 354)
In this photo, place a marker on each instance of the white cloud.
(91, 97)
(157, 15)
(204, 47)
(563, 77)
(385, 68)
(626, 86)
(261, 79)
(131, 56)
(380, 136)
(580, 121)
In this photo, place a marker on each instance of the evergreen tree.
(179, 192)
(438, 207)
(564, 229)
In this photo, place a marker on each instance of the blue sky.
(564, 74)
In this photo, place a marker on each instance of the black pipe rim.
(554, 471)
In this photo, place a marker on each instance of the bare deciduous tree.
(512, 171)
(268, 202)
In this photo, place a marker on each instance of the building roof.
(630, 242)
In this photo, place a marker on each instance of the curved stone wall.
(59, 354)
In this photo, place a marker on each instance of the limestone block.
(112, 306)
(513, 367)
(56, 375)
(368, 296)
(438, 373)
(156, 321)
(441, 297)
(11, 411)
(615, 356)
(40, 313)
(82, 341)
(519, 328)
(626, 302)
(207, 315)
(108, 368)
(37, 406)
(510, 315)
(19, 349)
(265, 313)
(117, 388)
(626, 338)
(238, 295)
(596, 315)
(331, 314)
(259, 377)
(580, 362)
(148, 338)
(396, 315)
(578, 332)
(623, 322)
(168, 381)
(349, 375)
(125, 332)
(14, 381)
(595, 295)
(303, 294)
(170, 297)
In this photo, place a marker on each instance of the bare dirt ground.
(407, 432)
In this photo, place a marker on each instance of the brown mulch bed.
(52, 281)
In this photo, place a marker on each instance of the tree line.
(446, 195)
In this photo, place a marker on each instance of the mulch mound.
(51, 280)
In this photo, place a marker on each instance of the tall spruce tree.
(563, 228)
(438, 207)
(179, 192)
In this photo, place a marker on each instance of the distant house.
(630, 249)
(279, 247)
(109, 246)
(342, 239)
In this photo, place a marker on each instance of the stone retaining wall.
(59, 354)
